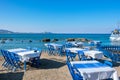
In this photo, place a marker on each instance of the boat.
(115, 35)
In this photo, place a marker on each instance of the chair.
(7, 62)
(82, 56)
(35, 62)
(10, 64)
(118, 56)
(74, 72)
(15, 60)
(70, 56)
(51, 50)
(106, 53)
(68, 45)
(11, 60)
(115, 57)
(91, 44)
(108, 63)
(60, 50)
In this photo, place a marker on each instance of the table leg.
(24, 65)
(115, 76)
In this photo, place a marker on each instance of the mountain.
(47, 33)
(5, 31)
(2, 31)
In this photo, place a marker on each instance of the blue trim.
(89, 65)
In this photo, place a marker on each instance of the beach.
(51, 68)
(59, 39)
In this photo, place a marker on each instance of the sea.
(35, 40)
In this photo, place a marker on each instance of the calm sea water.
(22, 40)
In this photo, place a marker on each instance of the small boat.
(115, 35)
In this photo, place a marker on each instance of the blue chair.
(115, 57)
(118, 56)
(106, 53)
(15, 60)
(108, 63)
(60, 50)
(68, 45)
(82, 56)
(74, 72)
(35, 62)
(11, 60)
(70, 56)
(7, 62)
(51, 50)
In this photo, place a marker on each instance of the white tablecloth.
(96, 71)
(25, 54)
(54, 45)
(17, 50)
(76, 43)
(75, 50)
(92, 53)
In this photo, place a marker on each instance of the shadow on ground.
(116, 65)
(12, 76)
(50, 64)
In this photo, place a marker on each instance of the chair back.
(11, 60)
(70, 56)
(108, 63)
(51, 49)
(36, 60)
(74, 72)
(68, 45)
(7, 60)
(60, 50)
(81, 55)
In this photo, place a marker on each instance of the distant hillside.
(5, 31)
(47, 32)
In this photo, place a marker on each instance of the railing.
(111, 52)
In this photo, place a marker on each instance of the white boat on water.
(115, 35)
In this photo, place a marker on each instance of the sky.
(60, 16)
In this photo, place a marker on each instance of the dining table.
(25, 54)
(95, 54)
(94, 70)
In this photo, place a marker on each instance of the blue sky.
(60, 16)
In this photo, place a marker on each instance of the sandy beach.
(52, 68)
(87, 28)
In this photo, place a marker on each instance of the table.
(25, 54)
(94, 70)
(92, 53)
(54, 45)
(76, 44)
